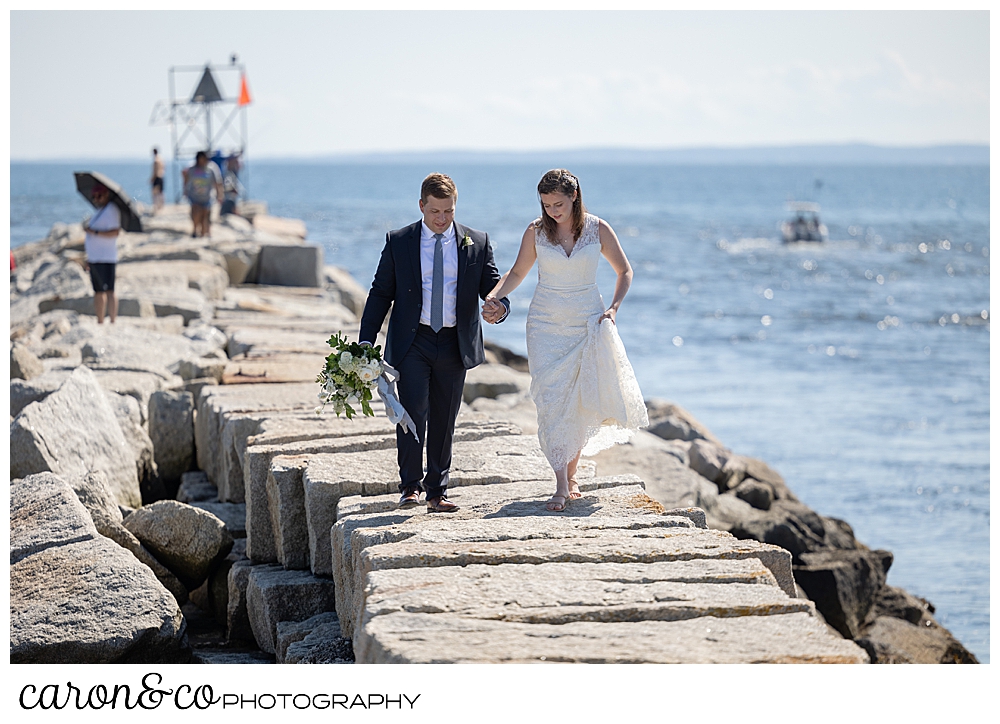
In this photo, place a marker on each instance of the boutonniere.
(466, 241)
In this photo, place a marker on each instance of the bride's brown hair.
(561, 181)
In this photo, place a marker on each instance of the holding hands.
(493, 310)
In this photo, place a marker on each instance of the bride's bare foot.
(574, 490)
(557, 503)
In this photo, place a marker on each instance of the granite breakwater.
(175, 498)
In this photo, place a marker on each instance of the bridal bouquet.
(351, 373)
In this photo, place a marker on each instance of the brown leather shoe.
(409, 499)
(440, 505)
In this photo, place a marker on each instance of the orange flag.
(245, 98)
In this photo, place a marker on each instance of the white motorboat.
(805, 225)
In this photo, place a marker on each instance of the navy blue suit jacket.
(397, 284)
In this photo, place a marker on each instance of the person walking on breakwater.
(200, 180)
(432, 274)
(101, 248)
(231, 186)
(156, 180)
(581, 380)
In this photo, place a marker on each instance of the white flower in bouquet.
(367, 373)
(346, 358)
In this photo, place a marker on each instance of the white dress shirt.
(449, 249)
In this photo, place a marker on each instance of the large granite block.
(290, 266)
(71, 432)
(76, 596)
(791, 638)
(279, 595)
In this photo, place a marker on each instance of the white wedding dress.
(581, 380)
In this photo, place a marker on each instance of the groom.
(432, 274)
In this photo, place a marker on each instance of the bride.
(581, 381)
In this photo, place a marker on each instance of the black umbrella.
(85, 182)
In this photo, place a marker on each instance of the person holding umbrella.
(101, 247)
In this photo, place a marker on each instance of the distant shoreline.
(855, 154)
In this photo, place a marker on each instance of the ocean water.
(858, 368)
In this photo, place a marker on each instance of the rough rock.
(171, 429)
(169, 275)
(517, 408)
(195, 487)
(227, 656)
(139, 349)
(898, 603)
(187, 540)
(56, 277)
(843, 584)
(233, 515)
(759, 495)
(129, 418)
(237, 618)
(290, 632)
(71, 432)
(673, 422)
(94, 493)
(45, 512)
(138, 384)
(279, 595)
(498, 354)
(890, 640)
(708, 460)
(23, 393)
(280, 226)
(493, 380)
(662, 466)
(23, 364)
(77, 596)
(791, 525)
(127, 306)
(352, 295)
(202, 368)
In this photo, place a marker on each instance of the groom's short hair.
(438, 185)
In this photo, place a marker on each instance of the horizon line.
(465, 151)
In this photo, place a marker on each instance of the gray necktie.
(437, 286)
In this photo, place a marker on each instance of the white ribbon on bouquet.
(394, 409)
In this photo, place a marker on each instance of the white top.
(449, 249)
(103, 249)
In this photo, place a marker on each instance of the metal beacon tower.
(203, 117)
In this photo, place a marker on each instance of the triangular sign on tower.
(207, 91)
(245, 98)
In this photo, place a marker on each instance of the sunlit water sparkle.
(858, 368)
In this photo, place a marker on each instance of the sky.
(336, 82)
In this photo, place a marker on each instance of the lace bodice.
(579, 268)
